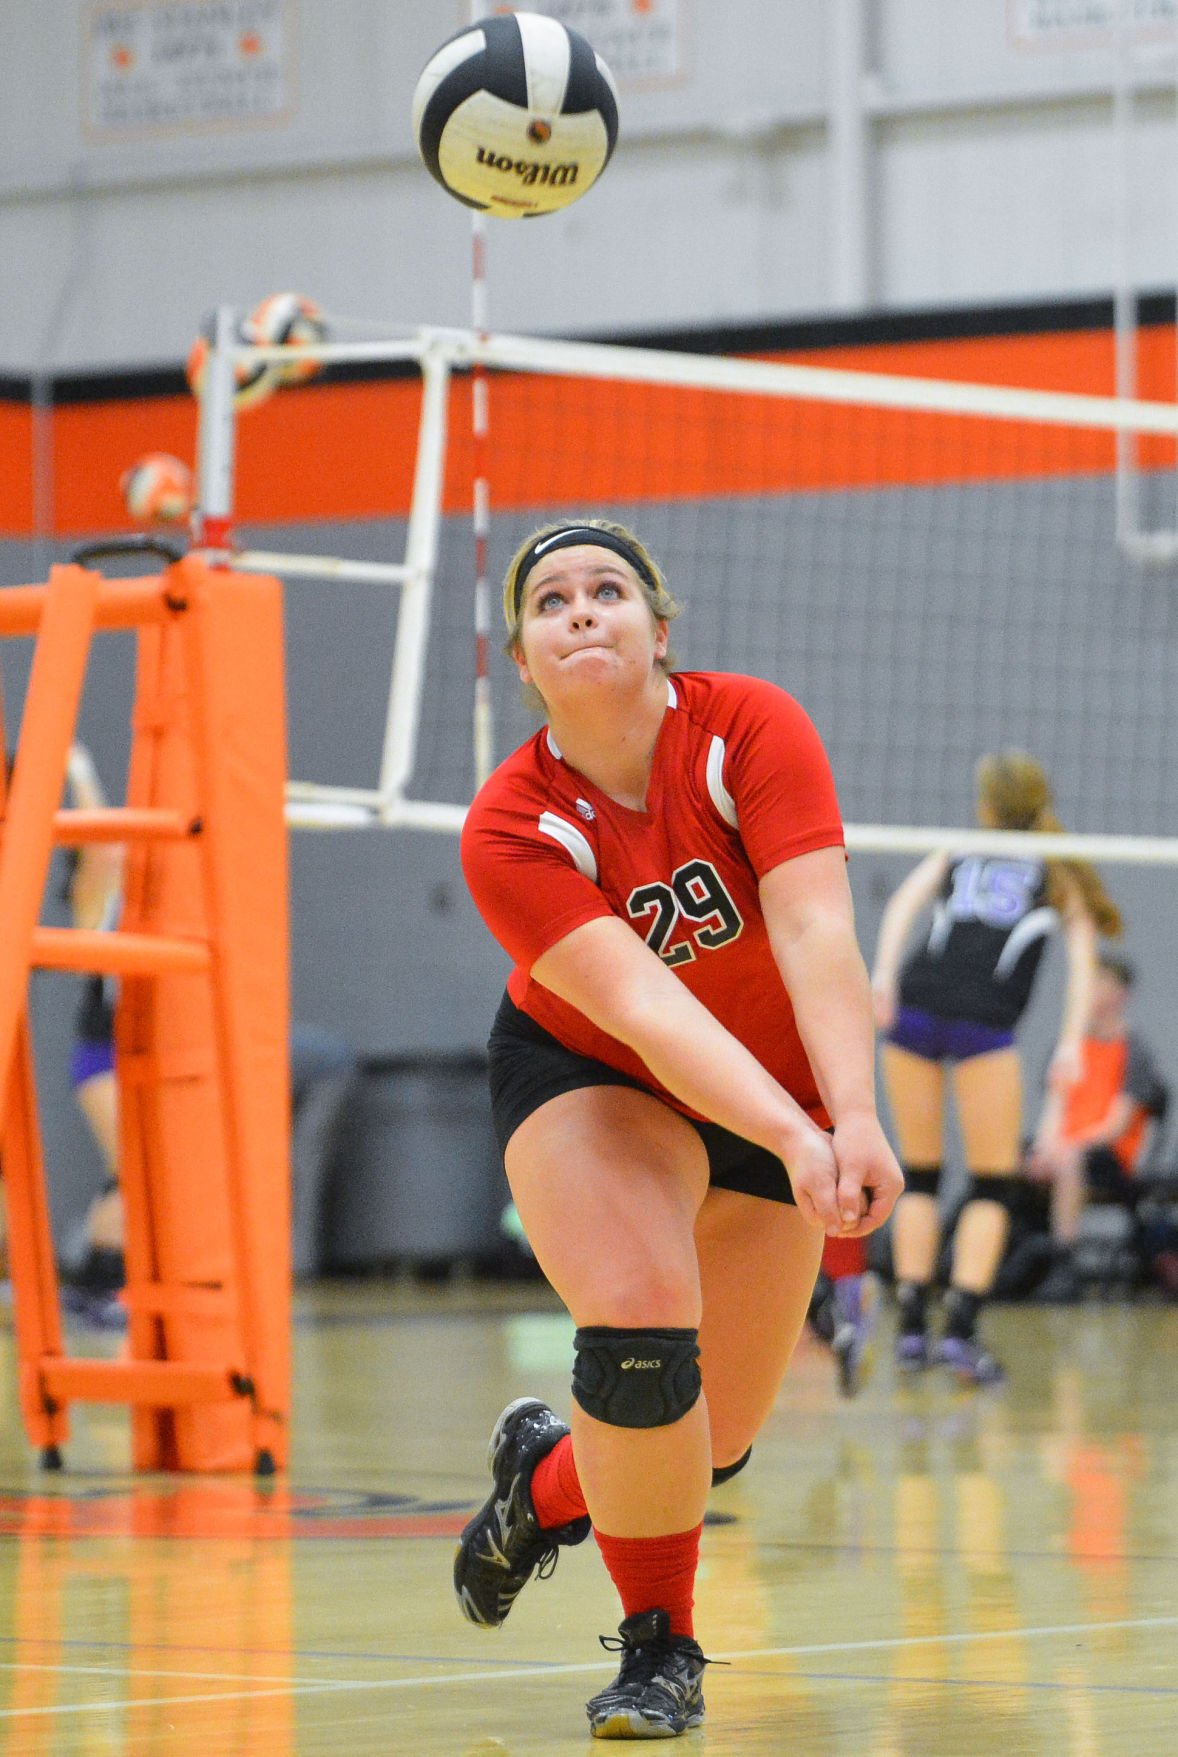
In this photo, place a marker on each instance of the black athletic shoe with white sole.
(657, 1693)
(504, 1545)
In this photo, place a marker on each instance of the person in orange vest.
(1091, 1138)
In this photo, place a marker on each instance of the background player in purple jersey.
(955, 1005)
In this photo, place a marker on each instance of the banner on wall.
(640, 41)
(178, 67)
(1048, 22)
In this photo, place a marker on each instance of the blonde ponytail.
(1018, 794)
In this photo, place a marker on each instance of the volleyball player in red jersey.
(682, 1082)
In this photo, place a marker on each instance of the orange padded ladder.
(201, 1034)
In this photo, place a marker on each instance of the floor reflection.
(921, 1571)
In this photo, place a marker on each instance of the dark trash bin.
(419, 1180)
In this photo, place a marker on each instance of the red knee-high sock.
(556, 1488)
(844, 1256)
(655, 1573)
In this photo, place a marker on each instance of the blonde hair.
(1016, 789)
(660, 603)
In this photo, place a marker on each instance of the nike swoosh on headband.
(570, 537)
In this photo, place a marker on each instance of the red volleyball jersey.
(740, 783)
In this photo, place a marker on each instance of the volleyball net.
(933, 568)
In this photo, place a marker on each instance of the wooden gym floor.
(922, 1572)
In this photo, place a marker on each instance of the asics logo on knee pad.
(636, 1378)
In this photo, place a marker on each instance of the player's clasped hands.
(846, 1183)
(813, 1177)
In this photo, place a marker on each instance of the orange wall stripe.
(16, 469)
(336, 452)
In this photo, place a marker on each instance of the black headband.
(569, 538)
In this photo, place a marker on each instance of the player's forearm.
(1050, 1118)
(604, 971)
(893, 933)
(705, 1067)
(1081, 950)
(904, 905)
(827, 983)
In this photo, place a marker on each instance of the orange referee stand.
(201, 1031)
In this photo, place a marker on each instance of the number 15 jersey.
(740, 783)
(982, 952)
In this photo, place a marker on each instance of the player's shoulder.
(522, 793)
(714, 696)
(514, 784)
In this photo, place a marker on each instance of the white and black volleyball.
(517, 115)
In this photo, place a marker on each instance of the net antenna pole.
(1158, 546)
(484, 723)
(212, 521)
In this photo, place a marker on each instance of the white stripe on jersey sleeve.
(572, 841)
(721, 798)
(942, 926)
(1031, 927)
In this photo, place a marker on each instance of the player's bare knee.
(643, 1294)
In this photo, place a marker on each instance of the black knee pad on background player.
(636, 1378)
(922, 1180)
(726, 1472)
(1004, 1188)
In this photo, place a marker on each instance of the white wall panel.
(989, 167)
(954, 50)
(979, 209)
(135, 271)
(353, 65)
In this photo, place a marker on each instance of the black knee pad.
(1005, 1188)
(922, 1180)
(726, 1472)
(636, 1378)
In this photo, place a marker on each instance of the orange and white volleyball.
(158, 490)
(291, 321)
(254, 381)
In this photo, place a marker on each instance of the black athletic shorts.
(528, 1066)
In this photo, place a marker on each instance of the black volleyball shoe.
(504, 1544)
(657, 1693)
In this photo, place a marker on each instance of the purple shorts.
(937, 1039)
(89, 1060)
